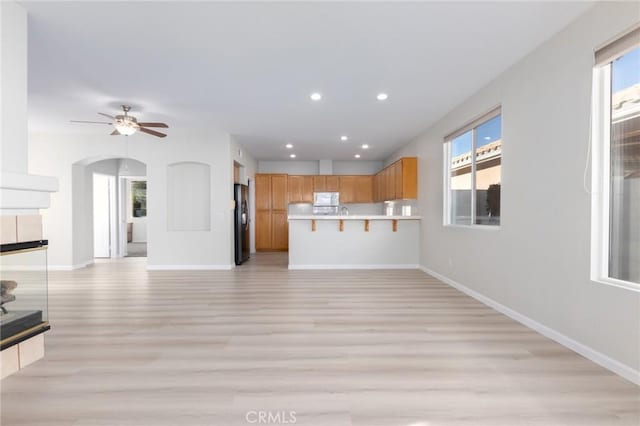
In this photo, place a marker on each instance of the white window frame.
(600, 179)
(447, 207)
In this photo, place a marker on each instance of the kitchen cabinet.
(263, 192)
(263, 230)
(319, 183)
(272, 199)
(347, 189)
(279, 192)
(307, 189)
(332, 183)
(324, 183)
(279, 230)
(363, 189)
(300, 189)
(356, 189)
(294, 188)
(397, 181)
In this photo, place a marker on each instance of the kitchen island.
(354, 242)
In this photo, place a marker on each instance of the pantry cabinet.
(272, 200)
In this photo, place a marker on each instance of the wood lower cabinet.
(272, 200)
(263, 230)
(279, 230)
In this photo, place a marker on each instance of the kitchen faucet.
(344, 210)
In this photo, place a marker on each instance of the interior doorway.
(104, 216)
(134, 215)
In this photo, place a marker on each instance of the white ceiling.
(248, 68)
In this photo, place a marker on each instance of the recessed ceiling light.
(344, 138)
(315, 96)
(487, 138)
(289, 146)
(382, 96)
(357, 155)
(365, 146)
(292, 156)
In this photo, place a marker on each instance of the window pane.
(488, 171)
(460, 183)
(624, 226)
(139, 198)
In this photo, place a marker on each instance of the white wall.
(538, 263)
(340, 167)
(356, 167)
(57, 155)
(289, 167)
(13, 86)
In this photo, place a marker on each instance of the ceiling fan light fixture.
(126, 125)
(125, 129)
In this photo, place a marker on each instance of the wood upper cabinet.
(263, 192)
(319, 183)
(409, 176)
(363, 189)
(300, 189)
(295, 186)
(396, 170)
(307, 189)
(279, 194)
(390, 177)
(397, 181)
(332, 183)
(347, 189)
(356, 189)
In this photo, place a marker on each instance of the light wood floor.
(367, 348)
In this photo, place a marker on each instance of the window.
(139, 198)
(473, 164)
(616, 163)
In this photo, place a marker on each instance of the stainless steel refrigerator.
(241, 228)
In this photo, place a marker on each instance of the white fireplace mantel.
(23, 192)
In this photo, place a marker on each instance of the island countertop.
(350, 217)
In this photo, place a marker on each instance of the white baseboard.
(306, 267)
(189, 267)
(599, 358)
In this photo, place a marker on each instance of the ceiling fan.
(126, 124)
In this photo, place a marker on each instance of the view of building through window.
(624, 207)
(475, 197)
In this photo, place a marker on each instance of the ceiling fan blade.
(107, 115)
(90, 122)
(115, 133)
(154, 125)
(152, 132)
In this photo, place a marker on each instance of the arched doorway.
(109, 208)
